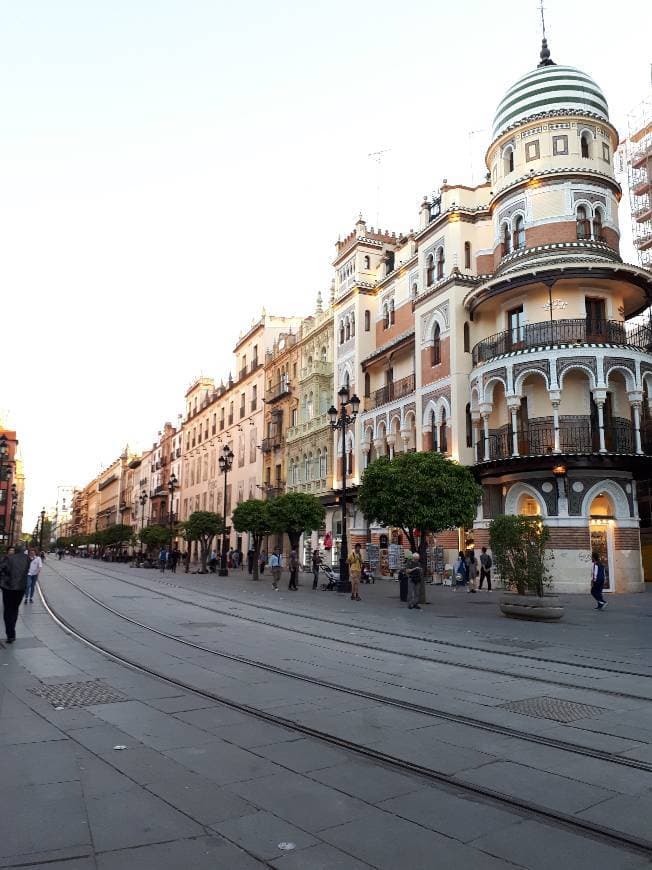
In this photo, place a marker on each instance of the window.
(385, 316)
(341, 332)
(430, 270)
(507, 239)
(469, 427)
(516, 325)
(560, 145)
(349, 461)
(597, 225)
(605, 152)
(254, 360)
(367, 385)
(348, 329)
(242, 405)
(433, 431)
(467, 255)
(532, 150)
(443, 435)
(367, 320)
(508, 160)
(323, 354)
(391, 312)
(467, 338)
(583, 224)
(221, 418)
(436, 346)
(323, 464)
(306, 468)
(367, 262)
(519, 232)
(440, 263)
(415, 290)
(294, 416)
(352, 324)
(585, 148)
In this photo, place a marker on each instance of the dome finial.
(544, 54)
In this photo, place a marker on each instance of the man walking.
(163, 559)
(276, 563)
(485, 568)
(597, 581)
(174, 560)
(316, 563)
(415, 576)
(35, 565)
(13, 580)
(294, 569)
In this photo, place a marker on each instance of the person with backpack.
(597, 581)
(461, 570)
(485, 568)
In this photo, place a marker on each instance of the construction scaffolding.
(638, 153)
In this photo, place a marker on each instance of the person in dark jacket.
(415, 577)
(13, 580)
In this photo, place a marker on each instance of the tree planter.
(548, 607)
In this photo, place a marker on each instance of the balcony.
(390, 392)
(317, 367)
(538, 439)
(243, 373)
(565, 332)
(640, 157)
(274, 491)
(273, 442)
(278, 391)
(316, 424)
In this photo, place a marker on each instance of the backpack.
(488, 562)
(600, 575)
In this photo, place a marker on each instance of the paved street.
(522, 732)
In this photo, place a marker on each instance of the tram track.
(500, 671)
(529, 809)
(407, 706)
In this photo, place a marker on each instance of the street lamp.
(341, 420)
(4, 450)
(172, 485)
(225, 461)
(143, 501)
(40, 540)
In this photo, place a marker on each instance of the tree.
(153, 536)
(295, 513)
(117, 535)
(253, 516)
(419, 492)
(202, 526)
(518, 544)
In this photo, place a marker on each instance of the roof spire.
(545, 51)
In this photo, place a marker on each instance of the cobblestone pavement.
(103, 766)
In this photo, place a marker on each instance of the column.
(391, 443)
(485, 411)
(379, 444)
(475, 436)
(555, 399)
(636, 400)
(514, 403)
(405, 438)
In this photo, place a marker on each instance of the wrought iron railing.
(578, 330)
(390, 392)
(273, 442)
(278, 390)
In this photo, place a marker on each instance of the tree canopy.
(419, 491)
(253, 516)
(203, 526)
(295, 513)
(154, 536)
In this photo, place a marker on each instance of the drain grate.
(82, 694)
(556, 709)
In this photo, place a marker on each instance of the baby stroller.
(331, 577)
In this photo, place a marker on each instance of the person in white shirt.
(276, 563)
(35, 566)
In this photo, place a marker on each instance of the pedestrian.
(294, 569)
(174, 559)
(13, 580)
(597, 581)
(461, 570)
(241, 561)
(263, 561)
(485, 568)
(472, 564)
(316, 565)
(355, 570)
(162, 559)
(251, 555)
(276, 563)
(60, 553)
(212, 562)
(35, 565)
(415, 577)
(403, 579)
(229, 558)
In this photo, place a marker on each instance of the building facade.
(12, 488)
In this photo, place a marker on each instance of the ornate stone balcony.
(307, 428)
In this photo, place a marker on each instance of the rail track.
(524, 807)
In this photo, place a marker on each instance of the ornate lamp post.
(226, 461)
(4, 450)
(143, 501)
(14, 507)
(172, 485)
(341, 420)
(40, 538)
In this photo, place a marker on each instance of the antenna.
(378, 157)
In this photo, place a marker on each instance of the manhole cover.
(78, 694)
(552, 708)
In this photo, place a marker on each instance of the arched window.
(597, 225)
(367, 262)
(467, 337)
(306, 468)
(415, 290)
(352, 324)
(469, 426)
(347, 380)
(443, 436)
(385, 316)
(348, 329)
(341, 332)
(433, 431)
(519, 232)
(367, 320)
(323, 464)
(507, 239)
(440, 263)
(583, 224)
(585, 147)
(323, 353)
(436, 346)
(508, 159)
(430, 270)
(467, 255)
(391, 312)
(367, 385)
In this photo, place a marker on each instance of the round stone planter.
(531, 606)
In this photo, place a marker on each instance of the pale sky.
(168, 167)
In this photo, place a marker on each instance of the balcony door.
(516, 328)
(596, 320)
(523, 429)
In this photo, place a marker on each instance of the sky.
(169, 167)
